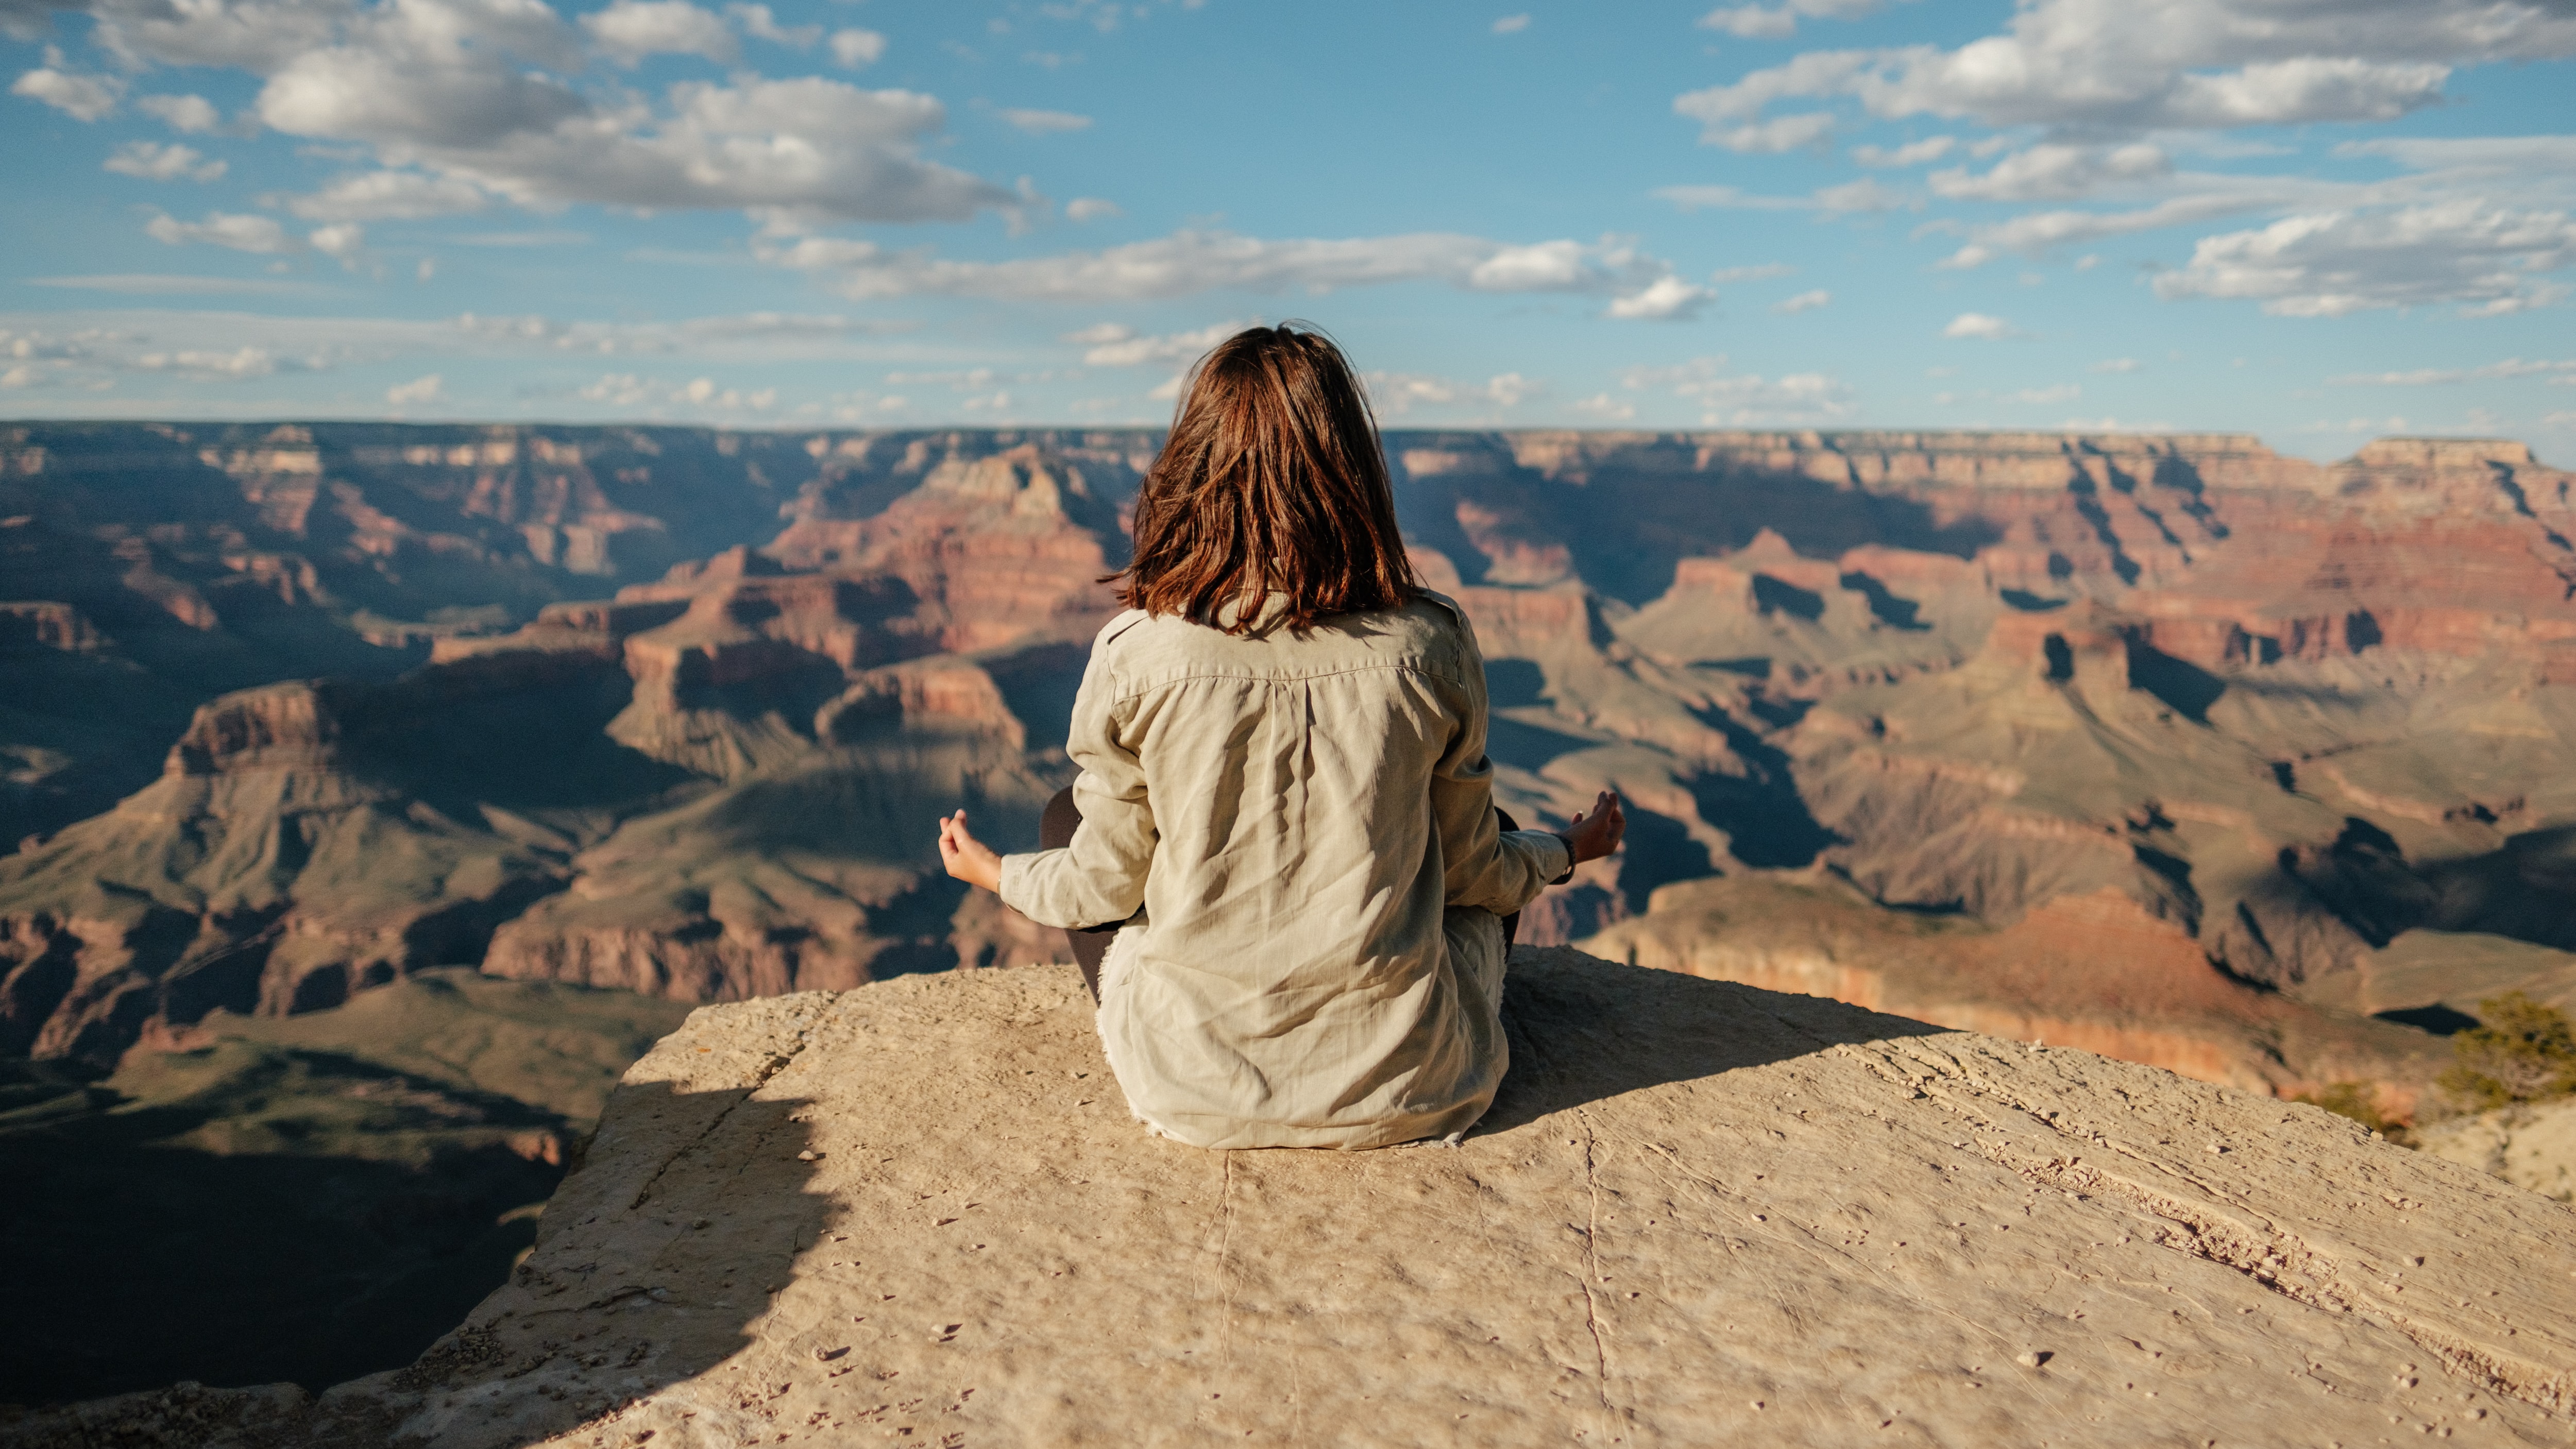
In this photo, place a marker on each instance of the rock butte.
(1700, 1213)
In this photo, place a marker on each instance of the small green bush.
(2356, 1100)
(2520, 1051)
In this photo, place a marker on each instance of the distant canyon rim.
(2165, 746)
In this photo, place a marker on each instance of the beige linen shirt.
(1307, 820)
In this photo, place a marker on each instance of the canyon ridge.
(2169, 747)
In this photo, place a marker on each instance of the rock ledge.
(917, 1212)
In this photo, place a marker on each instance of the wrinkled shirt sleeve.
(1484, 864)
(1100, 878)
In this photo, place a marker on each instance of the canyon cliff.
(2170, 745)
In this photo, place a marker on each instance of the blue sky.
(2316, 220)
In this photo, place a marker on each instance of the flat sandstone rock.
(918, 1212)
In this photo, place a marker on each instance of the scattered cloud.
(1745, 399)
(1511, 24)
(154, 161)
(630, 30)
(188, 115)
(1912, 153)
(342, 241)
(1866, 194)
(162, 284)
(1112, 345)
(81, 97)
(2157, 64)
(1188, 263)
(388, 196)
(1766, 271)
(240, 232)
(1755, 22)
(1090, 208)
(1982, 327)
(854, 48)
(1394, 394)
(1605, 407)
(2053, 172)
(1786, 133)
(1666, 299)
(2118, 364)
(242, 362)
(1804, 302)
(2563, 370)
(1044, 123)
(2470, 252)
(699, 395)
(2057, 393)
(758, 23)
(419, 390)
(2039, 232)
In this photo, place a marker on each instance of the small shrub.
(2360, 1102)
(2520, 1051)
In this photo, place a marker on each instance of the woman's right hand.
(1593, 836)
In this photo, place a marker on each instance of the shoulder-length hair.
(1271, 482)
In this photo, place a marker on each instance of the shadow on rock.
(1582, 1031)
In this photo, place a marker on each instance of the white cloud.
(1112, 345)
(81, 97)
(239, 363)
(2042, 231)
(1666, 299)
(854, 48)
(242, 233)
(758, 23)
(1762, 273)
(1187, 263)
(700, 394)
(164, 284)
(1785, 133)
(1982, 327)
(388, 196)
(468, 92)
(1804, 302)
(630, 30)
(1041, 123)
(1862, 195)
(1090, 208)
(2053, 172)
(2179, 64)
(154, 161)
(1395, 393)
(343, 241)
(2058, 393)
(1912, 153)
(188, 115)
(2470, 252)
(2563, 370)
(1511, 24)
(2118, 364)
(1745, 399)
(429, 389)
(1753, 22)
(1609, 409)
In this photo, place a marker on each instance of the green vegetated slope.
(303, 1198)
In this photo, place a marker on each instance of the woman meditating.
(1285, 813)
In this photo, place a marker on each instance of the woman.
(1285, 804)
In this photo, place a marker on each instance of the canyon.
(2171, 747)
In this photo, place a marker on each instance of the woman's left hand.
(967, 858)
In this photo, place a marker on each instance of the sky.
(2319, 221)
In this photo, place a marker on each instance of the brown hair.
(1271, 481)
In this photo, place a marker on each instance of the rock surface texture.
(918, 1212)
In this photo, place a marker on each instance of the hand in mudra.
(967, 858)
(1593, 836)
